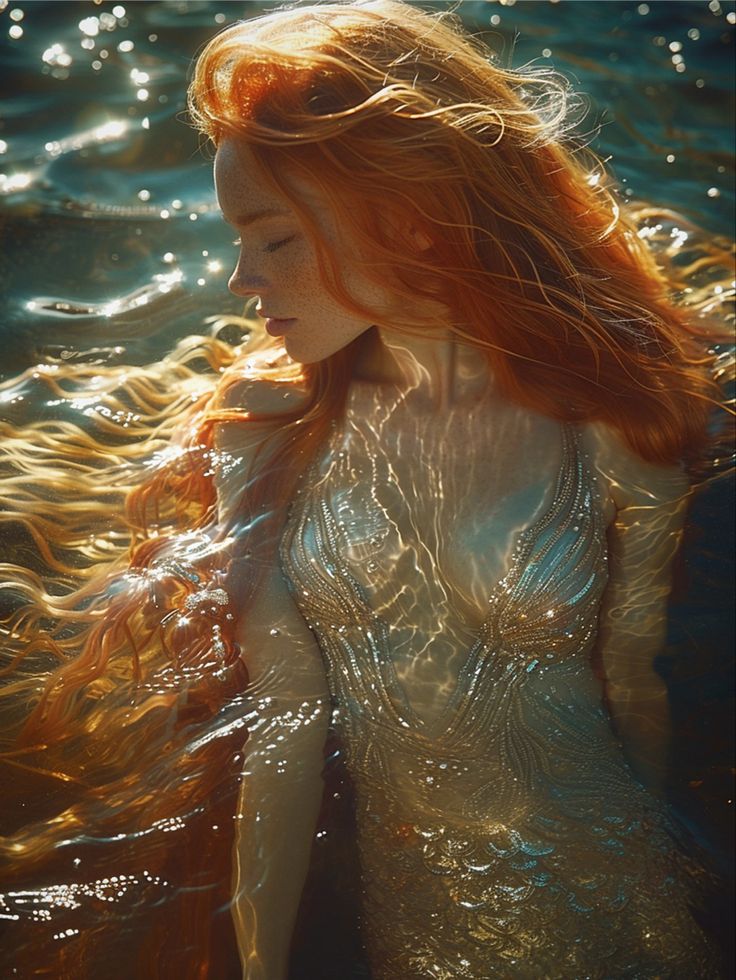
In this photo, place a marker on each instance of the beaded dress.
(501, 834)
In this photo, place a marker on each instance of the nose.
(245, 282)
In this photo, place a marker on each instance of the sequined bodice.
(489, 827)
(541, 616)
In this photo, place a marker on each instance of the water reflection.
(113, 250)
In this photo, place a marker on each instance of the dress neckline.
(377, 630)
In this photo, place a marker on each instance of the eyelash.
(273, 246)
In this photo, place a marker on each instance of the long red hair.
(385, 109)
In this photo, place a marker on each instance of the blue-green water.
(104, 191)
(112, 247)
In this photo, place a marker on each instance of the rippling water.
(112, 247)
(110, 233)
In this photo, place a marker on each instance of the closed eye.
(275, 246)
(271, 247)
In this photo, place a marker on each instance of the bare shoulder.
(261, 405)
(260, 396)
(631, 481)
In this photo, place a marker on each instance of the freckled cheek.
(301, 287)
(301, 291)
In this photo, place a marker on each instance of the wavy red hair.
(385, 109)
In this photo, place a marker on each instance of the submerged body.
(478, 582)
(455, 598)
(482, 384)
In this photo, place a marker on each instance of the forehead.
(239, 182)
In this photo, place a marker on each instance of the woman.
(443, 522)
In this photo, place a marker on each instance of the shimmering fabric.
(503, 836)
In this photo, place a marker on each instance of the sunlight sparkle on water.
(108, 22)
(15, 182)
(39, 904)
(90, 26)
(112, 130)
(679, 237)
(57, 56)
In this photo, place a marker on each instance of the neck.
(439, 369)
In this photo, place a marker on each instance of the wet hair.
(388, 111)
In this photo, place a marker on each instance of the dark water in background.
(112, 247)
(106, 198)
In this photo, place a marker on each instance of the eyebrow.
(242, 220)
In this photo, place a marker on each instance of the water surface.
(113, 248)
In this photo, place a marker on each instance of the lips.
(277, 327)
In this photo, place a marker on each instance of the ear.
(420, 238)
(407, 231)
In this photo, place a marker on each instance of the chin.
(308, 356)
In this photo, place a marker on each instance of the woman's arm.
(281, 788)
(644, 538)
(287, 712)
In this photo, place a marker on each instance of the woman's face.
(278, 264)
